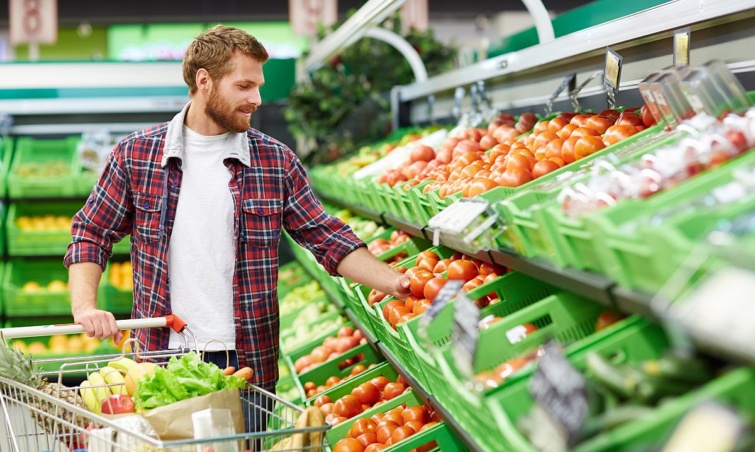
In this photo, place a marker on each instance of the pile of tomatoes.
(385, 429)
(369, 394)
(312, 389)
(331, 348)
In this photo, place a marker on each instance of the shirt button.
(175, 183)
(146, 205)
(260, 211)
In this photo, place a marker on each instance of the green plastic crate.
(640, 342)
(44, 228)
(515, 290)
(421, 207)
(622, 232)
(565, 317)
(316, 337)
(39, 302)
(30, 151)
(445, 440)
(319, 374)
(6, 157)
(345, 387)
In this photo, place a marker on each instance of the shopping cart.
(52, 417)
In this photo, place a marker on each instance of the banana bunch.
(105, 382)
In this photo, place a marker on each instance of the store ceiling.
(98, 12)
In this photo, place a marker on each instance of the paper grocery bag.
(174, 421)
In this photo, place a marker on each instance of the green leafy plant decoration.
(345, 104)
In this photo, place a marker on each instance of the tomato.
(616, 133)
(479, 186)
(583, 132)
(402, 433)
(390, 306)
(418, 280)
(347, 406)
(393, 390)
(629, 118)
(580, 120)
(358, 369)
(566, 132)
(395, 315)
(607, 319)
(526, 122)
(416, 413)
(433, 287)
(648, 120)
(422, 153)
(375, 296)
(540, 127)
(348, 445)
(421, 306)
(380, 382)
(461, 269)
(322, 400)
(393, 416)
(599, 123)
(544, 167)
(362, 426)
(487, 142)
(428, 264)
(556, 124)
(587, 145)
(567, 150)
(514, 178)
(441, 266)
(384, 430)
(518, 161)
(376, 447)
(427, 447)
(553, 149)
(309, 385)
(473, 283)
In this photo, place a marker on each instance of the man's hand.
(401, 290)
(98, 324)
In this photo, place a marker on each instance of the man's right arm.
(83, 280)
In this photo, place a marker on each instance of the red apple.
(118, 404)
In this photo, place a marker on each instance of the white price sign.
(33, 21)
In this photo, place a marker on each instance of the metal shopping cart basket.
(41, 414)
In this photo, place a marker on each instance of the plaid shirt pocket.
(262, 222)
(147, 216)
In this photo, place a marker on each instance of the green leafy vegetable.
(182, 379)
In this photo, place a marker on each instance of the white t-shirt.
(201, 252)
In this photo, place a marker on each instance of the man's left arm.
(362, 267)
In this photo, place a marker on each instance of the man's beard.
(226, 116)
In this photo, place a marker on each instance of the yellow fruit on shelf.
(31, 287)
(57, 286)
(75, 344)
(37, 348)
(21, 347)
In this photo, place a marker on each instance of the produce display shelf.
(369, 336)
(589, 285)
(462, 434)
(359, 210)
(412, 228)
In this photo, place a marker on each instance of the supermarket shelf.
(589, 285)
(462, 434)
(632, 302)
(359, 210)
(409, 227)
(370, 338)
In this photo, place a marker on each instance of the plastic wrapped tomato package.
(709, 143)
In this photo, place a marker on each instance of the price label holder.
(573, 93)
(569, 81)
(459, 94)
(560, 393)
(448, 292)
(468, 225)
(465, 334)
(681, 46)
(612, 75)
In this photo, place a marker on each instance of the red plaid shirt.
(136, 195)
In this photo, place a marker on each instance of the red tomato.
(565, 133)
(375, 296)
(421, 306)
(348, 445)
(367, 438)
(393, 390)
(347, 406)
(580, 120)
(441, 266)
(556, 124)
(358, 369)
(376, 447)
(428, 264)
(402, 433)
(322, 400)
(379, 382)
(567, 150)
(395, 315)
(648, 120)
(473, 283)
(544, 167)
(461, 269)
(433, 287)
(385, 430)
(553, 149)
(616, 133)
(427, 254)
(544, 138)
(587, 145)
(540, 127)
(422, 153)
(390, 306)
(518, 161)
(599, 123)
(583, 132)
(362, 426)
(416, 413)
(629, 118)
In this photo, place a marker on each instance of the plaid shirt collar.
(238, 143)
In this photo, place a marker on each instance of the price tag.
(570, 81)
(612, 75)
(560, 390)
(465, 333)
(681, 46)
(721, 303)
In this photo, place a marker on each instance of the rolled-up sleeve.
(104, 219)
(327, 237)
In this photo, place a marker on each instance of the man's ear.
(204, 82)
